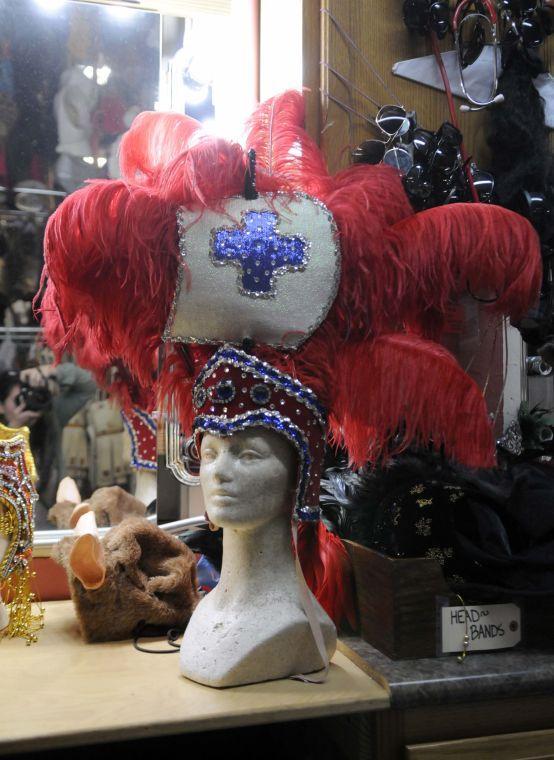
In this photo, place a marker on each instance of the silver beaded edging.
(182, 227)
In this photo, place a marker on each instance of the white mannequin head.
(248, 478)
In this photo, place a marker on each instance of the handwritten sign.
(491, 626)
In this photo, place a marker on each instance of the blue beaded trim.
(136, 461)
(267, 373)
(272, 421)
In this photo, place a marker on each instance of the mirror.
(73, 75)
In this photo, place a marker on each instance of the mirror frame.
(177, 8)
(47, 539)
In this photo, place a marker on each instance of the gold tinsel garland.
(23, 621)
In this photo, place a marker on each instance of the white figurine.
(252, 627)
(146, 486)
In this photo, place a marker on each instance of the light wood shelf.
(61, 692)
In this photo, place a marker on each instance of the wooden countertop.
(61, 692)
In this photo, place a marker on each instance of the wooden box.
(398, 601)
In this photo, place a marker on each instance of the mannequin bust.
(252, 626)
(4, 619)
(146, 486)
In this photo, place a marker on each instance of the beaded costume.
(142, 431)
(17, 499)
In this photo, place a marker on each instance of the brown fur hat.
(110, 504)
(60, 513)
(150, 577)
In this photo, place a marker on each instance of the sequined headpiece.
(274, 263)
(236, 391)
(142, 431)
(9, 433)
(269, 269)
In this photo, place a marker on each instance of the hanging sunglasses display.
(393, 121)
(433, 165)
(395, 124)
(524, 22)
(426, 16)
(438, 174)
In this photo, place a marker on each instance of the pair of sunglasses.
(395, 123)
(524, 21)
(437, 176)
(440, 150)
(536, 207)
(436, 160)
(426, 16)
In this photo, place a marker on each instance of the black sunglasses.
(525, 21)
(424, 16)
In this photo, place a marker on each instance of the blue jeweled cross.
(260, 252)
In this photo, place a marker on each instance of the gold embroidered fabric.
(17, 499)
(7, 433)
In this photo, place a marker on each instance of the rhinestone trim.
(18, 494)
(182, 226)
(272, 291)
(136, 460)
(264, 371)
(260, 389)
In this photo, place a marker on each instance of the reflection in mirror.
(72, 77)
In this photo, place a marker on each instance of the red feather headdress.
(112, 260)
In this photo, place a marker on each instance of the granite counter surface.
(444, 680)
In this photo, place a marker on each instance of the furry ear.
(87, 561)
(86, 558)
(68, 491)
(80, 510)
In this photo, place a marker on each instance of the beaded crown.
(235, 391)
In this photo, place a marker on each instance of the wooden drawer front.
(530, 745)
